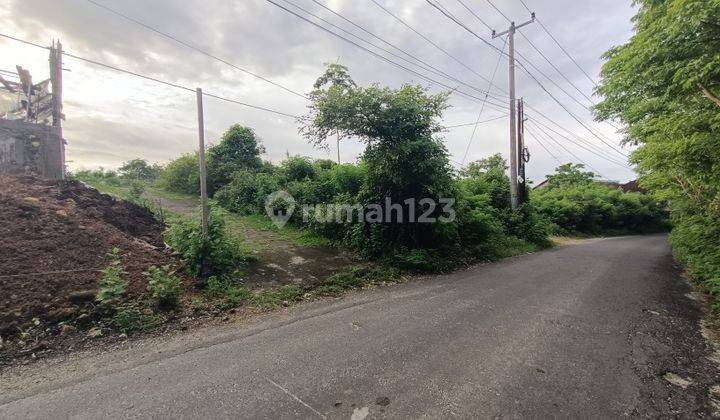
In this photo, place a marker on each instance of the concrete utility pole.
(203, 176)
(56, 55)
(513, 124)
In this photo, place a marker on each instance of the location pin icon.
(279, 207)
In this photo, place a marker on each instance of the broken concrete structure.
(29, 148)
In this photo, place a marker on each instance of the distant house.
(630, 186)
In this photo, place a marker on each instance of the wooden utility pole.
(203, 175)
(513, 124)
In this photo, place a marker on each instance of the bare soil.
(54, 239)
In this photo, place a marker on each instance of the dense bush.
(216, 253)
(140, 170)
(663, 85)
(247, 191)
(164, 288)
(573, 202)
(239, 150)
(182, 175)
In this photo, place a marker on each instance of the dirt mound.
(54, 237)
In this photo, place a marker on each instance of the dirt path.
(280, 261)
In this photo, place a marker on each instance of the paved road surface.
(585, 330)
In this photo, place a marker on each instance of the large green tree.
(664, 84)
(238, 150)
(403, 157)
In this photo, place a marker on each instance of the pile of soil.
(54, 239)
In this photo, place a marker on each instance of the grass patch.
(297, 236)
(282, 296)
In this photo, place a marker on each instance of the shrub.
(238, 150)
(182, 175)
(298, 168)
(140, 170)
(216, 253)
(165, 289)
(272, 298)
(223, 287)
(594, 208)
(247, 191)
(112, 287)
(131, 317)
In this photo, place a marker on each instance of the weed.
(272, 298)
(111, 290)
(164, 288)
(132, 317)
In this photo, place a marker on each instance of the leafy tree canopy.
(238, 150)
(570, 174)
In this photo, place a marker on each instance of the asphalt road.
(584, 331)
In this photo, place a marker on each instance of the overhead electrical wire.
(522, 66)
(153, 79)
(425, 64)
(430, 41)
(438, 73)
(562, 146)
(599, 151)
(482, 108)
(538, 141)
(478, 122)
(195, 48)
(561, 47)
(381, 57)
(583, 146)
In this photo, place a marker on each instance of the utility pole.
(523, 154)
(513, 124)
(56, 54)
(203, 176)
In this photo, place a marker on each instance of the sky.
(112, 117)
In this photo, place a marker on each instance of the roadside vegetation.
(664, 84)
(398, 126)
(574, 203)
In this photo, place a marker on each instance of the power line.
(381, 57)
(153, 79)
(430, 41)
(549, 137)
(522, 66)
(561, 47)
(584, 146)
(427, 66)
(482, 108)
(194, 48)
(439, 73)
(477, 122)
(537, 140)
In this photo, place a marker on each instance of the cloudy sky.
(112, 117)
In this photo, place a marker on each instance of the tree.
(489, 164)
(403, 159)
(140, 169)
(664, 85)
(238, 150)
(570, 174)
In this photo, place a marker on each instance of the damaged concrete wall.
(27, 148)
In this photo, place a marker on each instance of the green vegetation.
(164, 288)
(133, 315)
(112, 286)
(216, 253)
(664, 84)
(575, 203)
